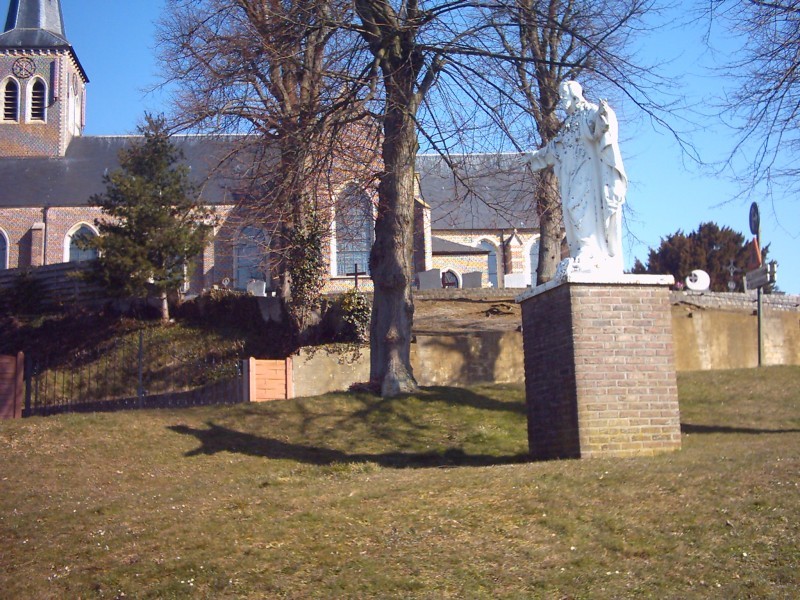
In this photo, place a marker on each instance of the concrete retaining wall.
(709, 333)
(437, 360)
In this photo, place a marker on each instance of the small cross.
(356, 273)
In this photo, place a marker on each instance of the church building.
(475, 215)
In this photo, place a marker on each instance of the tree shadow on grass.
(466, 397)
(692, 428)
(222, 439)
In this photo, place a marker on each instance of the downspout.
(503, 251)
(45, 210)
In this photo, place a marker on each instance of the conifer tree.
(712, 248)
(153, 224)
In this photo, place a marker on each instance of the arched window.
(78, 253)
(3, 250)
(355, 232)
(11, 101)
(38, 101)
(251, 257)
(491, 267)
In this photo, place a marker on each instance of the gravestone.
(257, 287)
(473, 279)
(514, 280)
(430, 280)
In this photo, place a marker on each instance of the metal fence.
(134, 372)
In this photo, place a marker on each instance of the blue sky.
(114, 40)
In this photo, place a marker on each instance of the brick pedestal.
(599, 368)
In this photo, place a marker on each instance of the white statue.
(592, 181)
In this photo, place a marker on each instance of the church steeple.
(34, 24)
(42, 82)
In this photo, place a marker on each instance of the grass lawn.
(430, 496)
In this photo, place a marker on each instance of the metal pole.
(760, 327)
(760, 306)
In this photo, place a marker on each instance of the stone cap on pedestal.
(597, 279)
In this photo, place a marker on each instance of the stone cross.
(356, 273)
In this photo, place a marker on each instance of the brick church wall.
(51, 137)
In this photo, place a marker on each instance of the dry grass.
(420, 497)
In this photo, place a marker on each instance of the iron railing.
(133, 372)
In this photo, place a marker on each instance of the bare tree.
(387, 56)
(765, 105)
(543, 43)
(407, 72)
(276, 71)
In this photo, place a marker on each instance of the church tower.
(42, 83)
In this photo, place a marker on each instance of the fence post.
(18, 384)
(140, 389)
(247, 373)
(289, 374)
(28, 385)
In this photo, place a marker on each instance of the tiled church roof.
(74, 179)
(489, 192)
(440, 247)
(34, 24)
(478, 191)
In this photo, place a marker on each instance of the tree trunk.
(164, 307)
(548, 204)
(391, 256)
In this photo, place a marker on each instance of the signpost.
(755, 219)
(755, 229)
(758, 278)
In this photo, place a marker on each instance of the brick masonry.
(65, 88)
(269, 379)
(600, 371)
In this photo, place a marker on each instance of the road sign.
(755, 219)
(758, 277)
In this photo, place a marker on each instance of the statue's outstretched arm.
(540, 159)
(603, 120)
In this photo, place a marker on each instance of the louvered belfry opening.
(11, 101)
(38, 93)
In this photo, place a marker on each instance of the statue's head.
(571, 94)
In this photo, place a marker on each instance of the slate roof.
(34, 24)
(478, 191)
(72, 180)
(440, 247)
(483, 192)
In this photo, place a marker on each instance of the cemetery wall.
(448, 360)
(708, 338)
(713, 331)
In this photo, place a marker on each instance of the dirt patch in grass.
(466, 316)
(428, 496)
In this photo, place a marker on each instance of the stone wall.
(726, 338)
(719, 335)
(451, 360)
(736, 301)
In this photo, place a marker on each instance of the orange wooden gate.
(12, 386)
